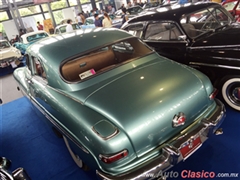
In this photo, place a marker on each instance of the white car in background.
(9, 55)
(62, 28)
(30, 38)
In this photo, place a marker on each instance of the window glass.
(162, 31)
(204, 21)
(75, 26)
(4, 44)
(3, 16)
(35, 37)
(29, 10)
(38, 68)
(27, 62)
(62, 29)
(230, 5)
(72, 2)
(58, 5)
(134, 10)
(103, 59)
(136, 30)
(58, 16)
(44, 7)
(238, 7)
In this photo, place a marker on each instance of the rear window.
(103, 59)
(36, 37)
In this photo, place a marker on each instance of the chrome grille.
(7, 62)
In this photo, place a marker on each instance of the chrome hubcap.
(233, 92)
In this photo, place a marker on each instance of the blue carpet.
(27, 142)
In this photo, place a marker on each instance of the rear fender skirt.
(57, 125)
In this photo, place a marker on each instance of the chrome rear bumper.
(171, 154)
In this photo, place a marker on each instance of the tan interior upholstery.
(190, 30)
(96, 61)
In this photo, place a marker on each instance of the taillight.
(112, 158)
(213, 94)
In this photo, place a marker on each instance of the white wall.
(10, 29)
(30, 22)
(69, 13)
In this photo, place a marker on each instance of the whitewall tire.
(231, 92)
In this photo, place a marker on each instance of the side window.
(38, 68)
(62, 29)
(229, 6)
(57, 31)
(162, 31)
(136, 30)
(238, 7)
(28, 64)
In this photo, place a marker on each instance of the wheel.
(231, 92)
(75, 157)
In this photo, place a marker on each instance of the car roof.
(65, 24)
(173, 12)
(32, 33)
(57, 48)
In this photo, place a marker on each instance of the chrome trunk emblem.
(179, 120)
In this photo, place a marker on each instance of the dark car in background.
(202, 35)
(131, 11)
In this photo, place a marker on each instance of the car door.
(36, 81)
(166, 39)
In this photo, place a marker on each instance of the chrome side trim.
(214, 65)
(70, 97)
(210, 47)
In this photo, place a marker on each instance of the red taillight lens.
(213, 94)
(112, 158)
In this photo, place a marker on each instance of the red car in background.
(233, 6)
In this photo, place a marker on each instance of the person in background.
(124, 15)
(107, 22)
(135, 2)
(129, 4)
(97, 21)
(86, 15)
(92, 12)
(16, 38)
(80, 19)
(122, 6)
(141, 3)
(113, 10)
(39, 26)
(1, 36)
(69, 27)
(21, 32)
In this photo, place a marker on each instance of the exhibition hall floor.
(28, 142)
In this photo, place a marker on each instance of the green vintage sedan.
(121, 108)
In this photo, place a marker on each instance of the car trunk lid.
(143, 102)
